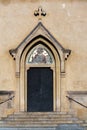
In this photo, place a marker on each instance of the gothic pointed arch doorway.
(41, 70)
(28, 63)
(40, 65)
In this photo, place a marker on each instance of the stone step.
(30, 128)
(40, 119)
(35, 126)
(84, 124)
(40, 122)
(32, 125)
(47, 112)
(23, 115)
(59, 127)
(41, 113)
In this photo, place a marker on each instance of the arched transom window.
(40, 54)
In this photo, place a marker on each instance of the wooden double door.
(39, 89)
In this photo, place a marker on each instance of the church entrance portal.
(39, 89)
(39, 54)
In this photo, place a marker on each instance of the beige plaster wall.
(67, 22)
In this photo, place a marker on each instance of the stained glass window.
(40, 54)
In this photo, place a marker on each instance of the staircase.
(41, 120)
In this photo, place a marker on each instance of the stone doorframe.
(39, 34)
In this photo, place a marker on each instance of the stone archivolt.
(41, 32)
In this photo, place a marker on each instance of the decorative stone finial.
(40, 12)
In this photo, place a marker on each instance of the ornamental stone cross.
(40, 12)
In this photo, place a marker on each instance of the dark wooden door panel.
(39, 89)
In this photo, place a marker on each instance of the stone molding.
(77, 93)
(38, 35)
(41, 31)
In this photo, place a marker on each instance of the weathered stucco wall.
(67, 22)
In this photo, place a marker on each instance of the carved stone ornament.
(39, 12)
(67, 53)
(13, 53)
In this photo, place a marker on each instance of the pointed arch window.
(40, 54)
